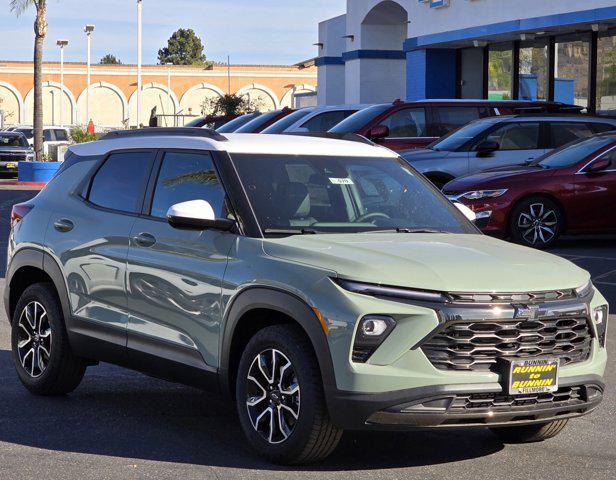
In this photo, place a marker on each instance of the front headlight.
(599, 316)
(481, 194)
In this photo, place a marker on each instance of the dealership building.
(379, 51)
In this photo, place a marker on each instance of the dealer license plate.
(11, 165)
(539, 375)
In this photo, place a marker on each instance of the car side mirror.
(468, 213)
(598, 166)
(196, 215)
(487, 147)
(378, 132)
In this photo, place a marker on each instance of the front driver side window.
(187, 176)
(406, 123)
(516, 136)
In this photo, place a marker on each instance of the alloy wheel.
(273, 396)
(538, 224)
(34, 339)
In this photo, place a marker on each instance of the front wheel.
(280, 398)
(530, 433)
(536, 222)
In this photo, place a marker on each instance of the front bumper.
(473, 405)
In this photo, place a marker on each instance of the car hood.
(497, 178)
(15, 149)
(423, 154)
(440, 262)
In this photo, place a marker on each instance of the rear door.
(520, 142)
(596, 198)
(174, 277)
(408, 128)
(89, 238)
(561, 133)
(446, 119)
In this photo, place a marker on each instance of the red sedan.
(570, 190)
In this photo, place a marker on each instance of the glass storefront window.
(500, 72)
(606, 74)
(571, 82)
(534, 70)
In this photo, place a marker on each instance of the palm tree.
(40, 30)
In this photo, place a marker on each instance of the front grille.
(478, 345)
(494, 401)
(4, 157)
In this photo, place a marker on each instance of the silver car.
(501, 141)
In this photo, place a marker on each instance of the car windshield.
(572, 153)
(294, 194)
(457, 138)
(28, 132)
(359, 120)
(233, 125)
(18, 141)
(284, 123)
(256, 123)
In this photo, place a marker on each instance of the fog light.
(371, 333)
(599, 316)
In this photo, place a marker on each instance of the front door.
(174, 279)
(408, 129)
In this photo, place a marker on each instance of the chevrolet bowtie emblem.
(530, 312)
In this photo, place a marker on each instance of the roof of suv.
(234, 143)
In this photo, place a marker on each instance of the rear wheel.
(43, 358)
(536, 222)
(280, 398)
(530, 433)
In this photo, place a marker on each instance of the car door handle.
(63, 225)
(144, 240)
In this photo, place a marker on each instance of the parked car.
(52, 135)
(501, 141)
(313, 119)
(570, 190)
(405, 125)
(14, 148)
(323, 284)
(210, 121)
(257, 125)
(238, 122)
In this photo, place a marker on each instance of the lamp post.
(139, 34)
(88, 29)
(62, 44)
(169, 65)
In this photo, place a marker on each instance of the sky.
(250, 31)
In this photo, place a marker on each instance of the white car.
(314, 119)
(52, 135)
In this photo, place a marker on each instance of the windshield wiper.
(289, 231)
(408, 230)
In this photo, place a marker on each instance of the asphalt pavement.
(123, 425)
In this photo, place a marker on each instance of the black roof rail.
(549, 108)
(166, 132)
(349, 137)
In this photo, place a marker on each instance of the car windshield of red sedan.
(572, 153)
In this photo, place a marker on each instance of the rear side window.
(47, 136)
(563, 133)
(184, 177)
(61, 135)
(516, 136)
(449, 119)
(326, 120)
(602, 127)
(405, 123)
(119, 184)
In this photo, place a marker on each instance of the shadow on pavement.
(123, 414)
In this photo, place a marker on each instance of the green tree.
(183, 48)
(110, 59)
(40, 30)
(229, 105)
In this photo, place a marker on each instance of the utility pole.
(62, 44)
(139, 39)
(88, 29)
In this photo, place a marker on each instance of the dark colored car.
(570, 190)
(405, 125)
(260, 123)
(210, 121)
(14, 148)
(238, 122)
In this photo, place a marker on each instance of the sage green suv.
(321, 284)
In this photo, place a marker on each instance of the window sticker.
(341, 181)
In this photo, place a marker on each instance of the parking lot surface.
(123, 425)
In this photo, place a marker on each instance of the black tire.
(312, 437)
(530, 433)
(62, 371)
(536, 222)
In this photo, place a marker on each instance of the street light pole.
(88, 29)
(62, 44)
(139, 33)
